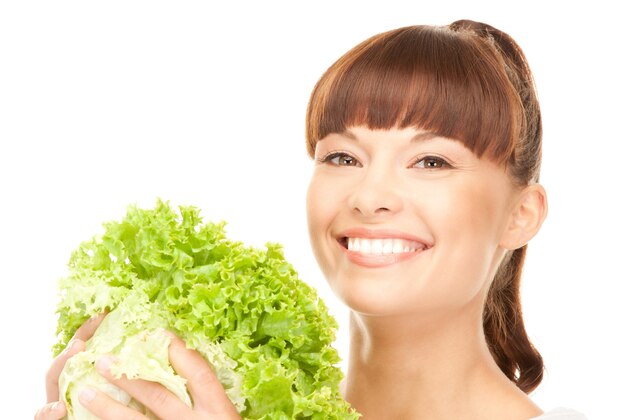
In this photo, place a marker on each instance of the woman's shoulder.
(561, 414)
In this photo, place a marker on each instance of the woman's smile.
(379, 248)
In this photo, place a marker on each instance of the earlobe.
(526, 218)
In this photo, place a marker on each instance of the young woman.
(427, 148)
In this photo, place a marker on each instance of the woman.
(427, 148)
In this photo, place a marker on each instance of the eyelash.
(440, 161)
(334, 155)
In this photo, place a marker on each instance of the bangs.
(431, 78)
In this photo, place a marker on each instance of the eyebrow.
(425, 135)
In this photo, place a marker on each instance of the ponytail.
(504, 326)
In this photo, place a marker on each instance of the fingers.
(76, 345)
(85, 331)
(105, 407)
(52, 376)
(153, 395)
(51, 411)
(206, 391)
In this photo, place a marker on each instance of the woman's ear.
(526, 218)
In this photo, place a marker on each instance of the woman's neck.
(413, 368)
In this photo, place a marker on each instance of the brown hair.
(467, 81)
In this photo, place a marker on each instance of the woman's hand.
(209, 399)
(55, 409)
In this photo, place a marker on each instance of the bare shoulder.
(509, 402)
(526, 409)
(561, 414)
(519, 407)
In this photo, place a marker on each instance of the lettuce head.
(265, 332)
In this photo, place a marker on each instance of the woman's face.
(402, 221)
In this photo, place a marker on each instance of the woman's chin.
(373, 301)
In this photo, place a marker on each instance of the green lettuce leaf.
(264, 331)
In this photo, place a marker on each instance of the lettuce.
(264, 331)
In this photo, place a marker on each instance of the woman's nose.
(376, 194)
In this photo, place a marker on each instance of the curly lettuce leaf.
(264, 331)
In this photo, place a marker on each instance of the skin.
(417, 346)
(55, 409)
(210, 400)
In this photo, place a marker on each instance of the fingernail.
(87, 394)
(94, 317)
(104, 364)
(57, 406)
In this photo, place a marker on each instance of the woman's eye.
(341, 159)
(431, 162)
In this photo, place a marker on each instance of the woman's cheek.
(319, 215)
(482, 213)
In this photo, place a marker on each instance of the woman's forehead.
(411, 135)
(396, 137)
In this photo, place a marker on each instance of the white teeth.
(382, 246)
(354, 244)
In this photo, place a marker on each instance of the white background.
(111, 103)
